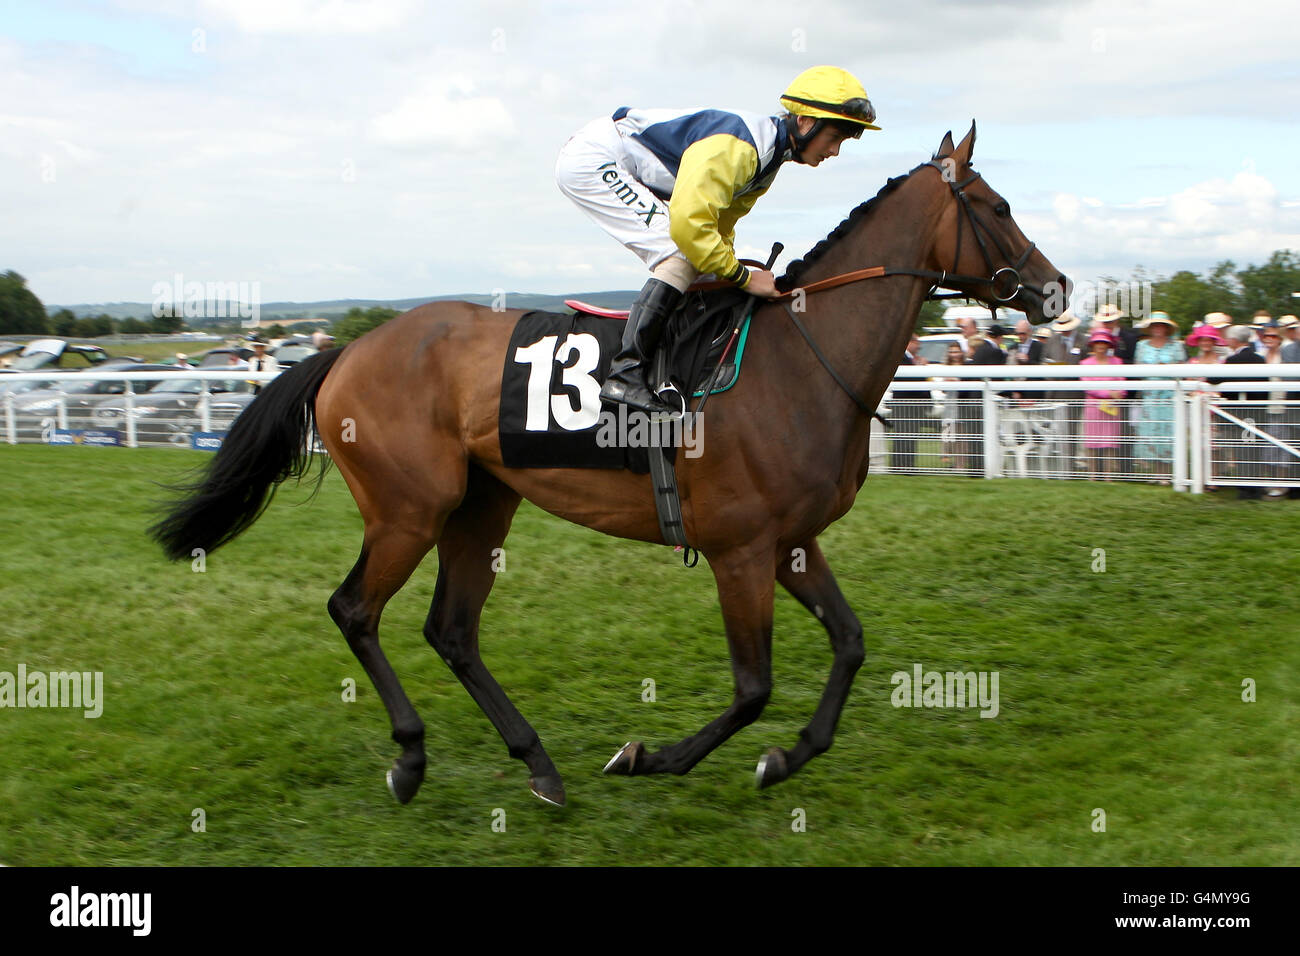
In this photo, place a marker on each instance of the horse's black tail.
(269, 442)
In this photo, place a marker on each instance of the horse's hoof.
(624, 762)
(550, 789)
(771, 768)
(403, 784)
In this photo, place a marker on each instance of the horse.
(408, 413)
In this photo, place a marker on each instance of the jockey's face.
(824, 145)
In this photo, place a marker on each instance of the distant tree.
(276, 332)
(1269, 286)
(21, 312)
(1227, 287)
(63, 323)
(931, 314)
(133, 326)
(93, 327)
(357, 322)
(1186, 297)
(166, 324)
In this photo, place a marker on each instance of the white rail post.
(1200, 430)
(11, 431)
(1180, 437)
(130, 416)
(992, 456)
(205, 408)
(62, 413)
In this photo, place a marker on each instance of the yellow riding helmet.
(827, 92)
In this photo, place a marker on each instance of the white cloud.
(446, 112)
(1241, 218)
(313, 16)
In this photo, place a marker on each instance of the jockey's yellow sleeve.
(703, 211)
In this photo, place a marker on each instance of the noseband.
(1007, 277)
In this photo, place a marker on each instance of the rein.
(939, 279)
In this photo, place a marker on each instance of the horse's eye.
(1002, 209)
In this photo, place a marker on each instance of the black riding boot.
(626, 383)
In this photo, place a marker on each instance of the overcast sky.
(389, 149)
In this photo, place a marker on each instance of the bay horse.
(408, 413)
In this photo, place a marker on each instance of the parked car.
(41, 354)
(171, 412)
(292, 354)
(220, 357)
(37, 408)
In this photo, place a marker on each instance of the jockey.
(671, 184)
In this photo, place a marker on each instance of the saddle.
(693, 341)
(551, 415)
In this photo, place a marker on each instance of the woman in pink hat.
(1101, 410)
(1209, 345)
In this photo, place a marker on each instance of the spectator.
(1155, 425)
(1290, 326)
(985, 351)
(183, 360)
(1261, 319)
(322, 341)
(235, 363)
(1277, 418)
(261, 362)
(1291, 352)
(948, 408)
(1220, 322)
(1109, 317)
(1066, 346)
(1247, 447)
(1208, 343)
(906, 414)
(1030, 349)
(1101, 413)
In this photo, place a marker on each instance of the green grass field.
(1120, 691)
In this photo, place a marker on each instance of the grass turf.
(1119, 690)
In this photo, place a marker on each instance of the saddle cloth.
(551, 415)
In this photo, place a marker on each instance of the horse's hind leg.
(815, 588)
(388, 556)
(466, 571)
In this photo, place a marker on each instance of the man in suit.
(1290, 331)
(1030, 349)
(907, 417)
(261, 361)
(1109, 317)
(985, 350)
(1249, 455)
(1068, 346)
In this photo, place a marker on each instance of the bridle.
(1006, 277)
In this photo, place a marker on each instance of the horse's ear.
(946, 147)
(966, 148)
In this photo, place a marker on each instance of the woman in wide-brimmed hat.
(1155, 426)
(1101, 409)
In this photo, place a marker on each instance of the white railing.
(982, 421)
(1036, 421)
(127, 417)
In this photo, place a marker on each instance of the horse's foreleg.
(811, 582)
(388, 557)
(468, 561)
(745, 590)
